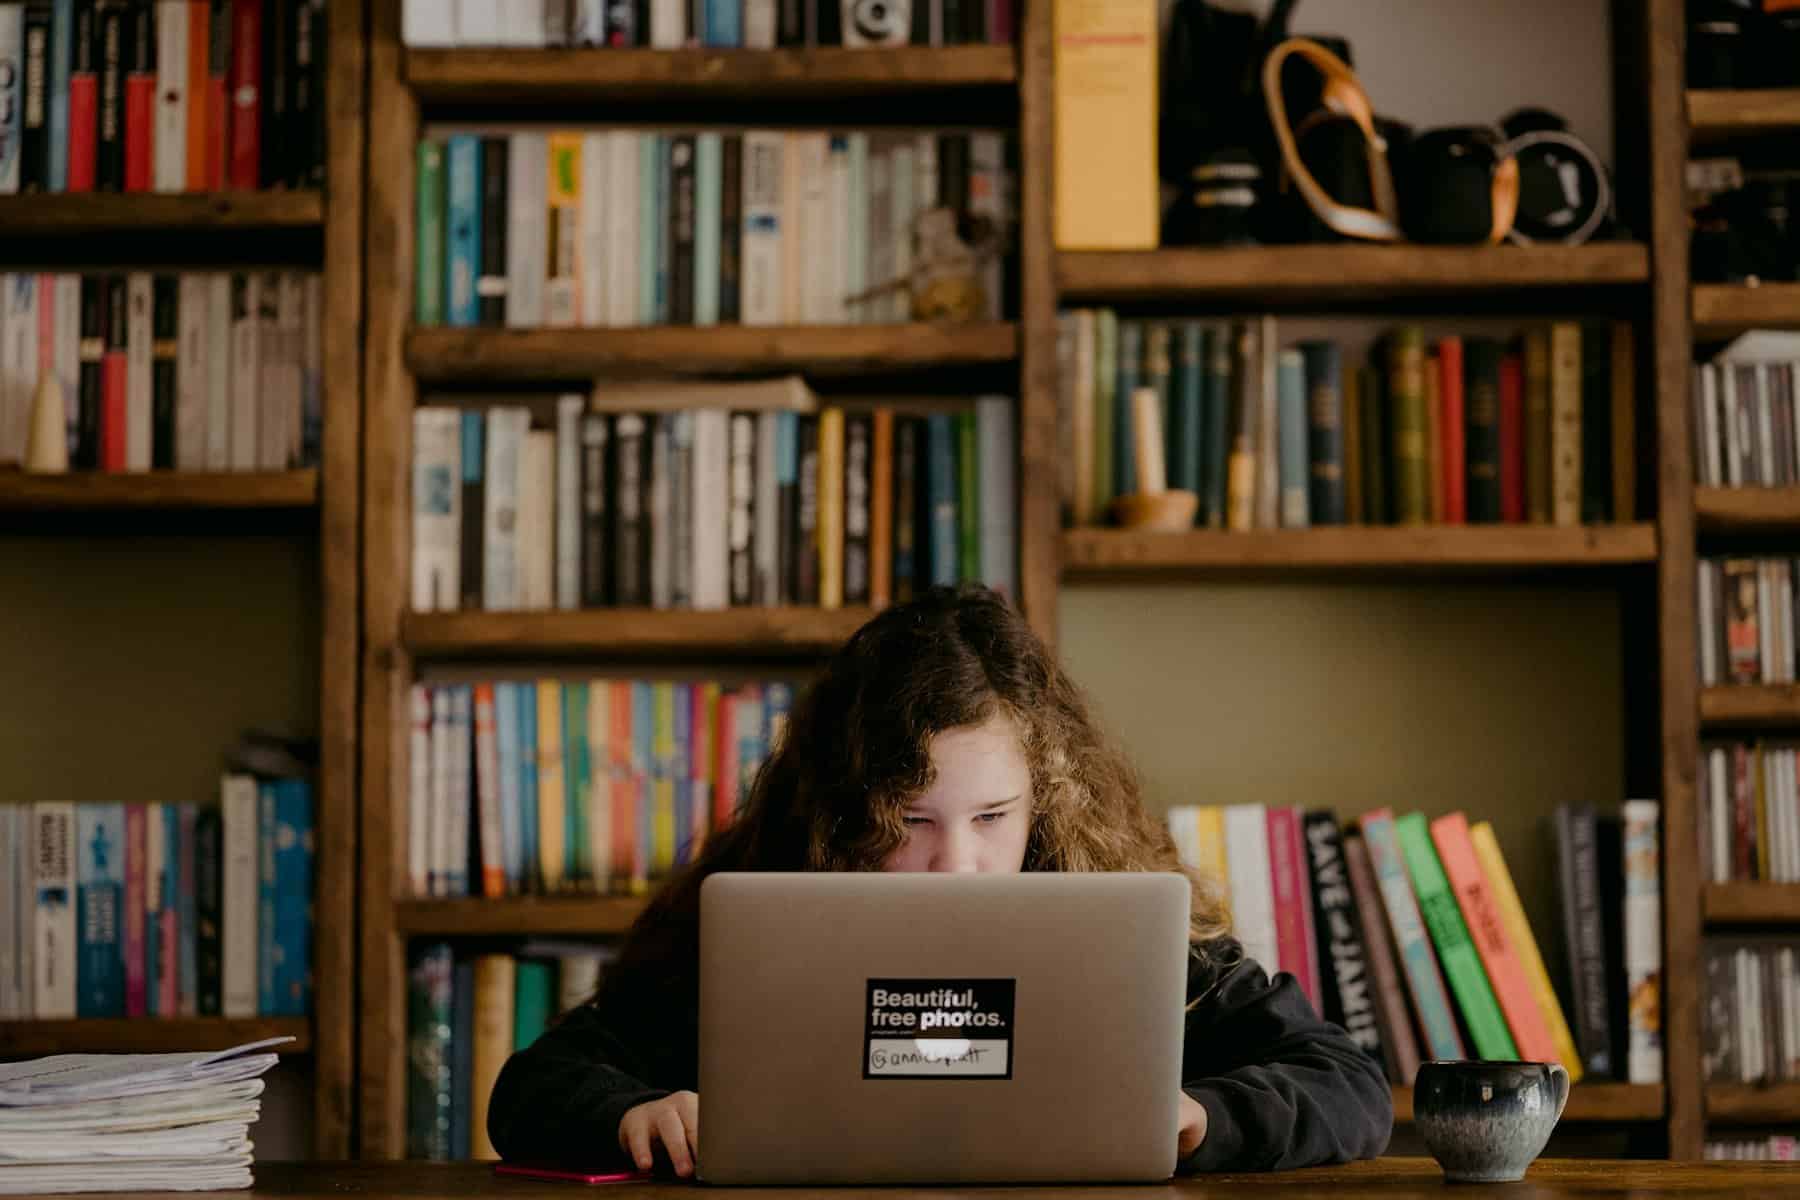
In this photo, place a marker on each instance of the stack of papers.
(131, 1122)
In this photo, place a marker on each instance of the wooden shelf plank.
(83, 491)
(1752, 904)
(730, 632)
(518, 915)
(148, 1035)
(1750, 704)
(489, 75)
(1722, 309)
(1101, 552)
(457, 354)
(1747, 509)
(1752, 1104)
(1716, 113)
(1338, 271)
(1587, 1102)
(68, 213)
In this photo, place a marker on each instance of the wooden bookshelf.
(74, 213)
(149, 1035)
(521, 916)
(1342, 271)
(1752, 1103)
(1723, 309)
(1747, 509)
(1752, 903)
(1587, 1102)
(594, 76)
(1750, 705)
(1719, 113)
(450, 354)
(725, 633)
(1109, 552)
(82, 491)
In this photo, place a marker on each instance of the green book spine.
(1406, 394)
(1129, 372)
(428, 300)
(1462, 965)
(1215, 437)
(968, 499)
(533, 998)
(1186, 438)
(576, 864)
(1372, 406)
(1106, 360)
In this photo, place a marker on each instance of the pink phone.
(566, 1176)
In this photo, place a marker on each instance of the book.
(1104, 117)
(1346, 989)
(1437, 1024)
(1399, 1043)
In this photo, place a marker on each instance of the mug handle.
(1559, 1079)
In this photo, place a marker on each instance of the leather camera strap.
(1341, 94)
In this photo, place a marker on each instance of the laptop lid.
(923, 1028)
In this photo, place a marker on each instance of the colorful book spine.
(1399, 1040)
(462, 226)
(531, 871)
(1412, 947)
(1643, 942)
(168, 932)
(100, 858)
(1344, 980)
(1287, 873)
(292, 944)
(136, 847)
(552, 800)
(1252, 889)
(1518, 929)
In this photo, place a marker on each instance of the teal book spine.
(968, 499)
(1128, 370)
(462, 219)
(529, 874)
(652, 228)
(578, 865)
(506, 739)
(1430, 1001)
(1215, 416)
(62, 61)
(293, 897)
(1462, 963)
(534, 989)
(1106, 360)
(428, 222)
(1290, 398)
(1185, 434)
(709, 171)
(1325, 432)
(99, 887)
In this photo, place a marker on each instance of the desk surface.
(1388, 1179)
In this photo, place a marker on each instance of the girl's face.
(976, 816)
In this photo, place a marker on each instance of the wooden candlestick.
(47, 449)
(1153, 505)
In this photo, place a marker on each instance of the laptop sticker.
(938, 1029)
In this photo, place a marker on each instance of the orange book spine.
(493, 865)
(199, 85)
(881, 510)
(1488, 931)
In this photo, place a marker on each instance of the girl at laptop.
(941, 737)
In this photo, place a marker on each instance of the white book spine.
(997, 450)
(140, 347)
(759, 24)
(855, 266)
(462, 731)
(903, 200)
(1643, 941)
(169, 170)
(600, 806)
(1706, 381)
(668, 24)
(271, 416)
(766, 545)
(1718, 769)
(798, 238)
(878, 232)
(291, 337)
(830, 216)
(66, 292)
(522, 22)
(711, 507)
(437, 508)
(12, 71)
(536, 502)
(18, 362)
(759, 246)
(527, 229)
(1252, 892)
(443, 766)
(487, 783)
(1734, 430)
(418, 808)
(596, 158)
(820, 216)
(623, 198)
(239, 895)
(1708, 622)
(500, 523)
(245, 374)
(190, 374)
(987, 172)
(477, 22)
(54, 946)
(429, 23)
(1765, 424)
(9, 893)
(568, 499)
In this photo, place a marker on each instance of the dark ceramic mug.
(1486, 1121)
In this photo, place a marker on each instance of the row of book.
(192, 372)
(1746, 428)
(622, 227)
(159, 910)
(546, 786)
(1752, 1025)
(465, 1015)
(161, 95)
(1776, 1147)
(1372, 920)
(1539, 428)
(725, 24)
(1745, 613)
(1750, 812)
(628, 502)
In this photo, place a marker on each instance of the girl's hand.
(1193, 1126)
(674, 1122)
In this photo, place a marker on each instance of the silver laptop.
(923, 1028)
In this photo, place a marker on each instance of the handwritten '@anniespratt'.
(881, 1060)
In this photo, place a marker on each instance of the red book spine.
(1450, 430)
(1285, 866)
(218, 110)
(113, 379)
(725, 775)
(244, 160)
(199, 80)
(1000, 22)
(1512, 438)
(168, 953)
(140, 100)
(84, 102)
(133, 941)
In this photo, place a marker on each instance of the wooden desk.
(1388, 1179)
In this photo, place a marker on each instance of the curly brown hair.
(858, 746)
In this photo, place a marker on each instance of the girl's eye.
(989, 818)
(910, 822)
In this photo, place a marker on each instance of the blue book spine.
(662, 180)
(528, 802)
(293, 897)
(650, 220)
(99, 892)
(463, 216)
(62, 54)
(189, 915)
(778, 702)
(709, 171)
(267, 902)
(1127, 375)
(1290, 396)
(940, 436)
(1325, 409)
(683, 775)
(577, 861)
(506, 737)
(1184, 415)
(643, 756)
(722, 23)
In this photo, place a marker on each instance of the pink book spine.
(725, 776)
(1309, 930)
(168, 951)
(135, 999)
(1291, 942)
